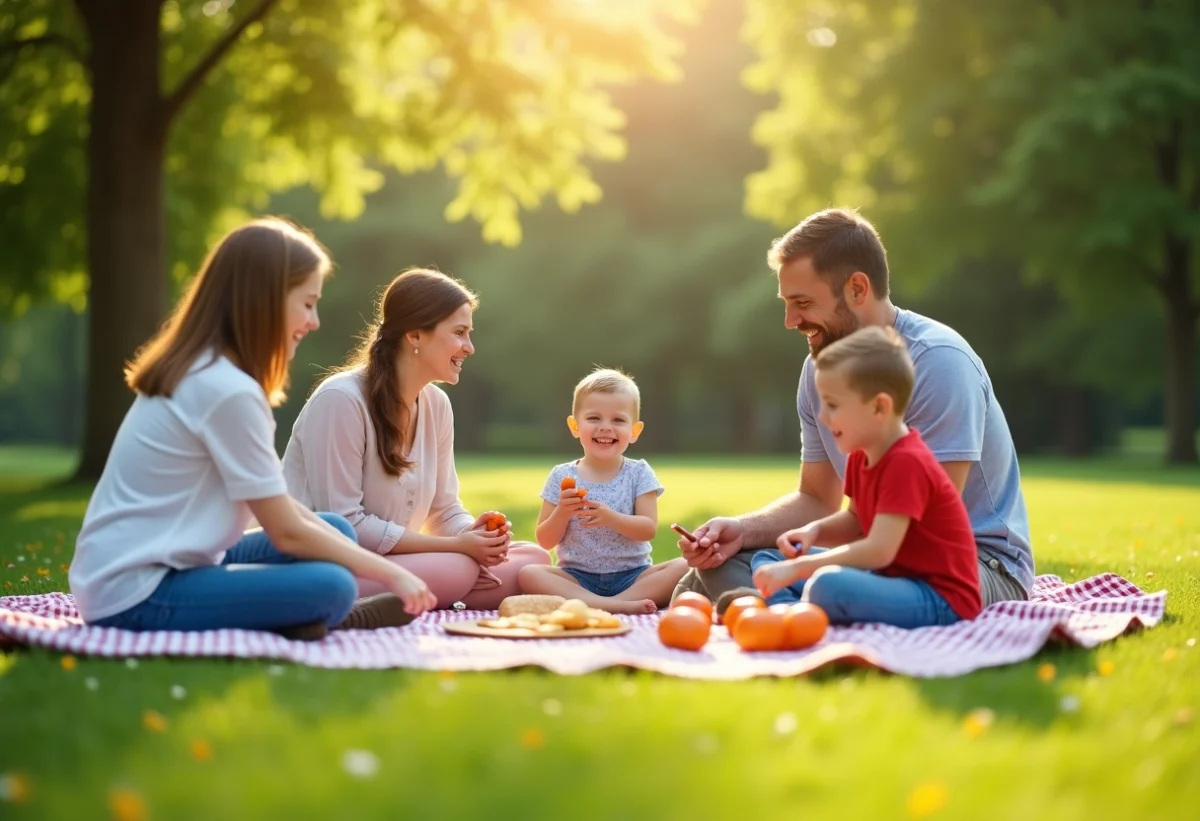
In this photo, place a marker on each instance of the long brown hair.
(236, 305)
(418, 299)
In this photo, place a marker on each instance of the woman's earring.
(416, 350)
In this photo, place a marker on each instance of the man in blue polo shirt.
(833, 279)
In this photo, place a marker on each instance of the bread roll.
(530, 603)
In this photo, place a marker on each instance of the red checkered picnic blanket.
(1085, 613)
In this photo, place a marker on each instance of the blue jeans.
(607, 584)
(848, 594)
(255, 588)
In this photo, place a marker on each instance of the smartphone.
(682, 531)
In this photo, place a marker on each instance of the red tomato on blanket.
(804, 625)
(738, 607)
(696, 600)
(759, 629)
(684, 628)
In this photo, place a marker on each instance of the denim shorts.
(607, 584)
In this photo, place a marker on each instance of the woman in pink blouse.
(375, 443)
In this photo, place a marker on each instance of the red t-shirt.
(939, 546)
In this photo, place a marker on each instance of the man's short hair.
(608, 380)
(840, 242)
(875, 360)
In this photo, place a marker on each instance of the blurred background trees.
(1032, 167)
(134, 130)
(1057, 141)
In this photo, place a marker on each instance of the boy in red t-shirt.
(907, 554)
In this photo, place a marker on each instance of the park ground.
(1106, 733)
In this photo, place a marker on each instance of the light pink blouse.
(332, 464)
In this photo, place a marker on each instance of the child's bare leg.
(657, 582)
(554, 581)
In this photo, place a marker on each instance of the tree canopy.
(121, 119)
(511, 99)
(1060, 134)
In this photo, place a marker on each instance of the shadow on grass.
(1014, 691)
(18, 490)
(1112, 470)
(99, 709)
(38, 527)
(41, 509)
(53, 722)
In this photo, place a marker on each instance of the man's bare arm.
(819, 495)
(957, 471)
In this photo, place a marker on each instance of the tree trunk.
(1073, 412)
(1179, 389)
(69, 399)
(659, 391)
(472, 402)
(125, 214)
(743, 405)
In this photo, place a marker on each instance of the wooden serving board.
(474, 628)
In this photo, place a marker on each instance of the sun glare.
(822, 37)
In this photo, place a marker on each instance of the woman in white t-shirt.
(163, 545)
(375, 443)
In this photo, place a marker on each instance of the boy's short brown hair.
(608, 380)
(875, 360)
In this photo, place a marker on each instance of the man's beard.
(843, 324)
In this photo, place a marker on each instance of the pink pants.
(451, 576)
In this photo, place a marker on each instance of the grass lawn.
(1112, 736)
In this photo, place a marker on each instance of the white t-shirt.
(173, 492)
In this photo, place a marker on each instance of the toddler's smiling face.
(606, 424)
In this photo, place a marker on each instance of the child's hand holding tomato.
(597, 514)
(571, 500)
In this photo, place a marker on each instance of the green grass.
(528, 744)
(30, 465)
(1151, 441)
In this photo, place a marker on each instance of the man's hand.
(716, 541)
(797, 542)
